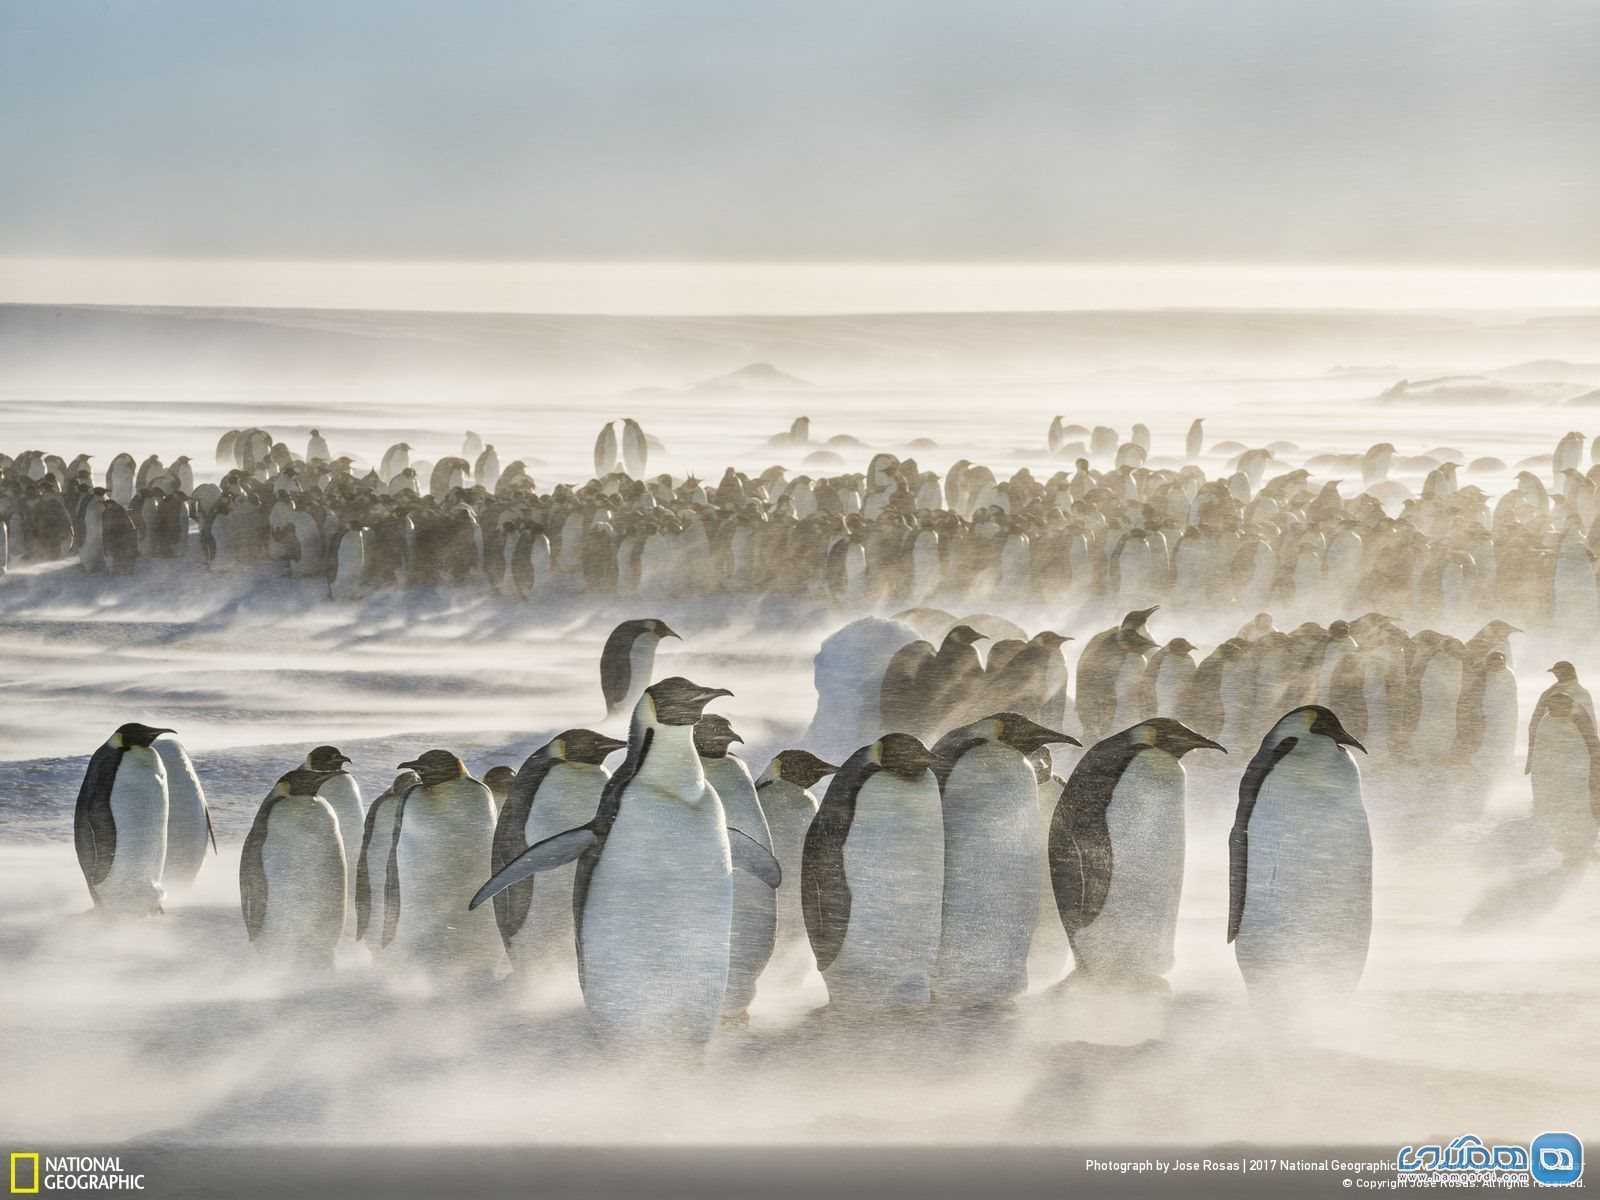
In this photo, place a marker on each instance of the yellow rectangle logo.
(16, 1157)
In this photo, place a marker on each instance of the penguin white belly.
(656, 920)
(344, 798)
(446, 839)
(1172, 681)
(139, 810)
(755, 905)
(1561, 803)
(1307, 914)
(1129, 687)
(894, 862)
(351, 569)
(993, 843)
(303, 863)
(1134, 934)
(188, 830)
(789, 811)
(567, 798)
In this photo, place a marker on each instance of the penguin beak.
(1203, 743)
(1054, 738)
(734, 737)
(667, 633)
(1347, 740)
(413, 765)
(612, 745)
(343, 760)
(710, 694)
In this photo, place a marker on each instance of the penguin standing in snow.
(558, 788)
(1565, 766)
(653, 895)
(1117, 850)
(1111, 673)
(627, 661)
(1566, 684)
(443, 837)
(790, 806)
(872, 883)
(292, 874)
(993, 842)
(1300, 862)
(343, 795)
(755, 905)
(120, 825)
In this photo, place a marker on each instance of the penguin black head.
(584, 746)
(1339, 630)
(1323, 721)
(1024, 735)
(652, 625)
(436, 767)
(799, 767)
(1176, 738)
(135, 734)
(1564, 672)
(498, 780)
(1180, 645)
(904, 755)
(1050, 639)
(713, 736)
(676, 701)
(326, 758)
(963, 635)
(302, 781)
(1498, 629)
(1136, 619)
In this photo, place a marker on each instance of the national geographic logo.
(31, 1174)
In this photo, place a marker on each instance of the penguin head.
(1135, 620)
(1314, 718)
(584, 746)
(1498, 629)
(326, 758)
(656, 627)
(1176, 738)
(302, 781)
(1179, 645)
(799, 767)
(676, 701)
(963, 635)
(404, 782)
(499, 779)
(1021, 734)
(1339, 630)
(714, 736)
(904, 755)
(134, 734)
(1564, 672)
(1050, 639)
(436, 767)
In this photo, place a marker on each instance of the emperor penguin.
(558, 788)
(443, 838)
(755, 905)
(1111, 673)
(188, 817)
(343, 795)
(993, 844)
(653, 896)
(789, 805)
(1300, 863)
(1566, 684)
(120, 825)
(372, 868)
(317, 448)
(1116, 853)
(627, 660)
(1565, 766)
(292, 874)
(872, 879)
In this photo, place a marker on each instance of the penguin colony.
(667, 883)
(1116, 525)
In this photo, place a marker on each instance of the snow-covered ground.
(1476, 1009)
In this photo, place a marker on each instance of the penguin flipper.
(751, 857)
(211, 831)
(94, 829)
(1239, 839)
(547, 855)
(253, 876)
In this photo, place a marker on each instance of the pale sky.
(1402, 133)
